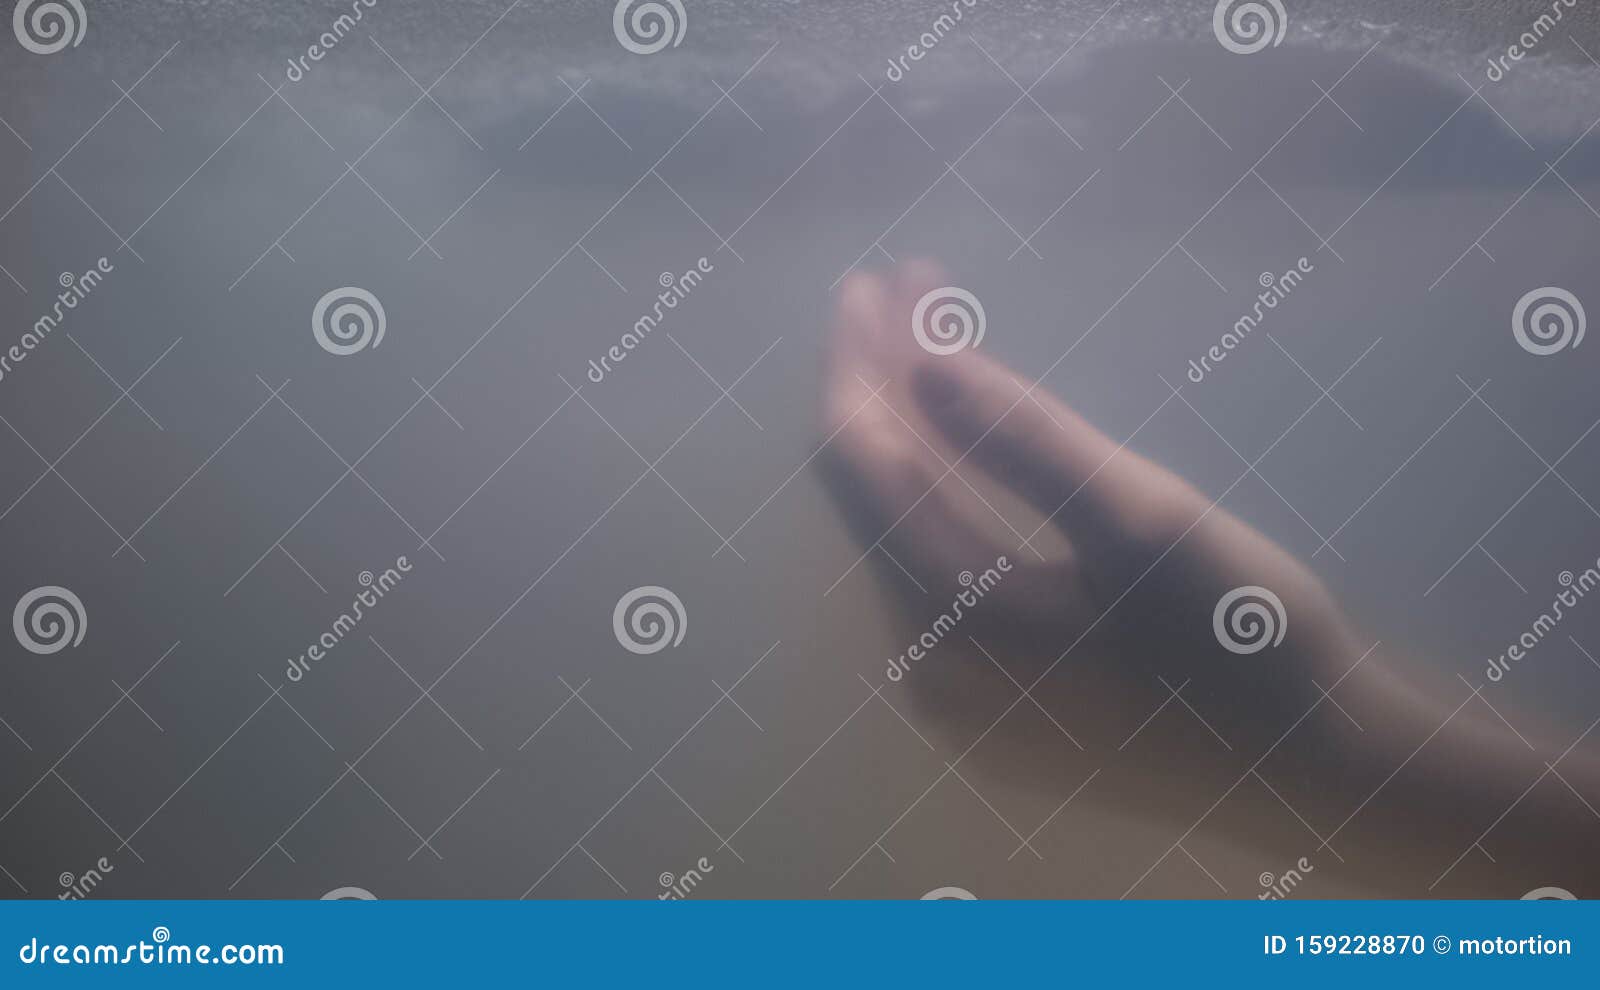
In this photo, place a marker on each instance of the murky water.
(515, 187)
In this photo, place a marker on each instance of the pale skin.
(1135, 559)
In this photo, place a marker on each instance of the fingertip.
(860, 290)
(915, 277)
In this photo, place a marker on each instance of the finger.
(874, 324)
(888, 481)
(1087, 483)
(852, 360)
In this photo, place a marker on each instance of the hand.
(1107, 611)
(1131, 560)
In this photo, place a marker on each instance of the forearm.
(1427, 794)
